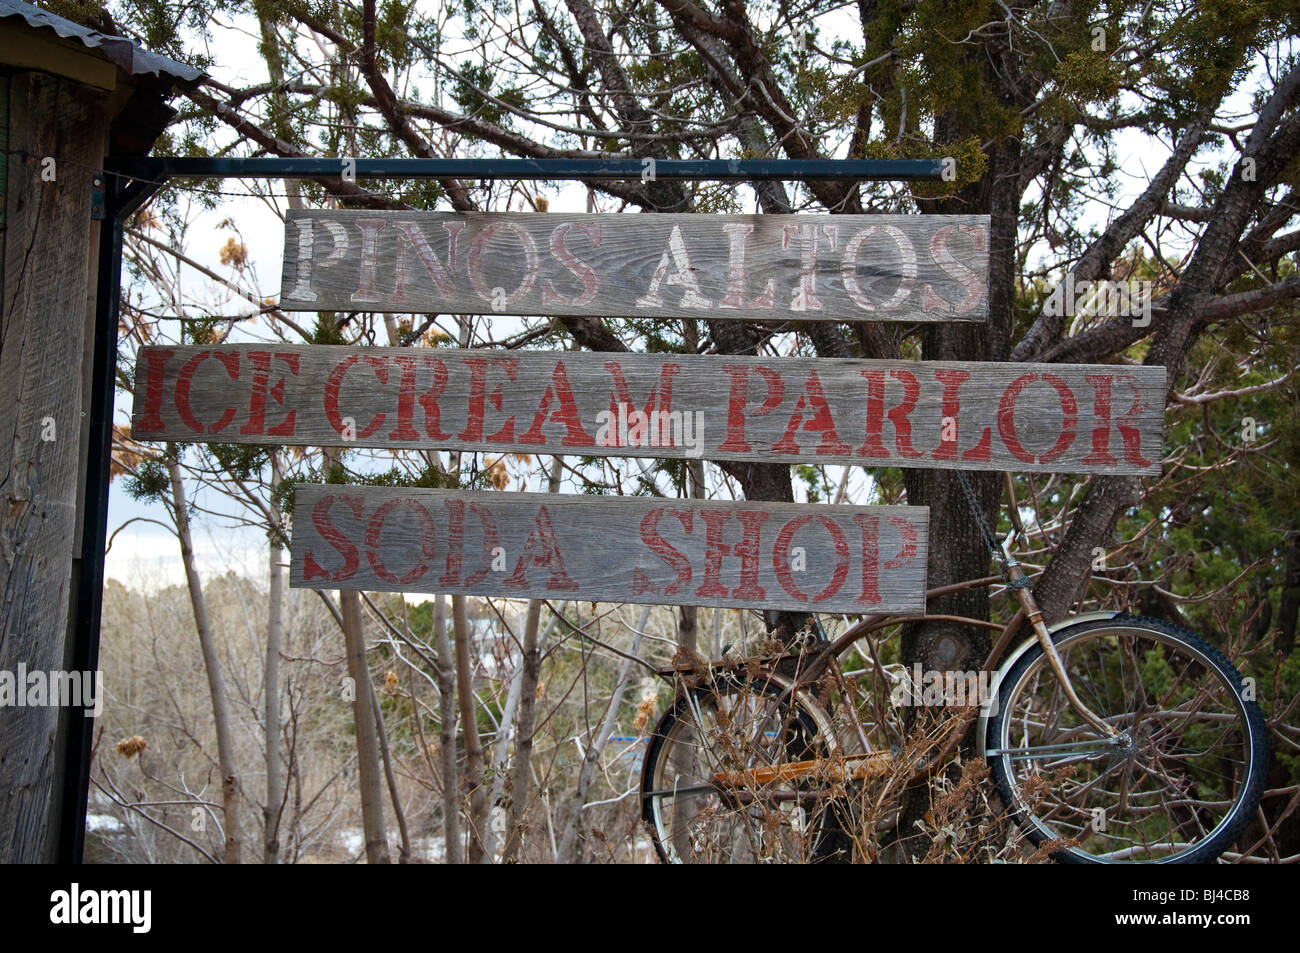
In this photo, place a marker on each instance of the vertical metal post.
(120, 201)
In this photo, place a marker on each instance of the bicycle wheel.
(1186, 774)
(709, 789)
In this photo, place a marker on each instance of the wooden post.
(58, 133)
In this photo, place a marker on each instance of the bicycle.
(1164, 762)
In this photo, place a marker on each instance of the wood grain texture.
(42, 332)
(784, 267)
(611, 549)
(981, 416)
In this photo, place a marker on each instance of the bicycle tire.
(1154, 745)
(713, 830)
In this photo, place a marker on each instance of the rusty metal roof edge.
(127, 56)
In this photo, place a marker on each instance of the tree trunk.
(403, 851)
(501, 756)
(216, 681)
(688, 630)
(271, 677)
(369, 776)
(957, 550)
(532, 666)
(447, 734)
(370, 780)
(521, 776)
(474, 764)
(271, 50)
(478, 807)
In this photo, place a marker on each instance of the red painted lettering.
(456, 544)
(898, 416)
(641, 582)
(335, 384)
(1132, 437)
(739, 398)
(374, 539)
(870, 526)
(714, 550)
(559, 391)
(542, 551)
(185, 380)
(820, 421)
(951, 407)
(324, 525)
(661, 399)
(781, 558)
(155, 366)
(478, 395)
(405, 429)
(1007, 418)
(261, 361)
(751, 522)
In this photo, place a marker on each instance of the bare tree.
(212, 664)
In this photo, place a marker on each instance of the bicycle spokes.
(1174, 774)
(732, 778)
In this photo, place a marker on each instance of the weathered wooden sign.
(532, 545)
(983, 416)
(803, 267)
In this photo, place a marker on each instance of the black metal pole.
(120, 200)
(159, 168)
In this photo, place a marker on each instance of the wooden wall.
(48, 292)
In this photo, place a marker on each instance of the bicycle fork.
(1017, 580)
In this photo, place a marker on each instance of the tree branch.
(276, 146)
(1096, 258)
(1244, 302)
(763, 90)
(392, 111)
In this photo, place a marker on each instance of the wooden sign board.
(793, 556)
(801, 267)
(1056, 418)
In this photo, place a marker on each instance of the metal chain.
(990, 540)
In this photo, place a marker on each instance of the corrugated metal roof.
(133, 59)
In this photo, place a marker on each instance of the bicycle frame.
(1014, 576)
